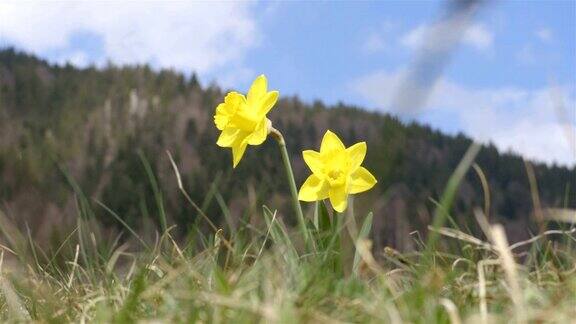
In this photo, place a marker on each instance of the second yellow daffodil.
(336, 172)
(242, 120)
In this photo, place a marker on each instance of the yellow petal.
(313, 160)
(257, 89)
(313, 189)
(356, 152)
(259, 134)
(361, 180)
(268, 101)
(339, 198)
(228, 137)
(238, 150)
(226, 111)
(331, 142)
(232, 102)
(220, 119)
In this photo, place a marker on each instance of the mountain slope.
(97, 126)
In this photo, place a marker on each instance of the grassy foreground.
(267, 273)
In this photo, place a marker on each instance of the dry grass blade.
(539, 217)
(453, 233)
(74, 265)
(485, 188)
(564, 215)
(4, 247)
(482, 287)
(509, 265)
(451, 309)
(198, 209)
(544, 234)
(483, 223)
(364, 248)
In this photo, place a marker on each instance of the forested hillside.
(100, 128)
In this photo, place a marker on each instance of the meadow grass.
(267, 273)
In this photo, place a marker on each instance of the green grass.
(263, 276)
(261, 271)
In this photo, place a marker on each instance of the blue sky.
(514, 66)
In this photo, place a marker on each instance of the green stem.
(290, 174)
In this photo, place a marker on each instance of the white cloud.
(544, 34)
(522, 120)
(415, 38)
(199, 36)
(374, 43)
(382, 39)
(476, 36)
(526, 55)
(77, 58)
(230, 78)
(479, 37)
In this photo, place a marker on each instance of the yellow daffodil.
(242, 120)
(336, 172)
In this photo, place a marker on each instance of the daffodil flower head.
(242, 119)
(336, 172)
